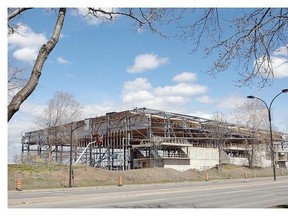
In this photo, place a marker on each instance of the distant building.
(140, 138)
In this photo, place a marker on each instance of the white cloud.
(231, 101)
(16, 127)
(31, 108)
(21, 122)
(146, 62)
(93, 110)
(62, 60)
(279, 61)
(205, 99)
(280, 67)
(185, 77)
(25, 54)
(92, 19)
(139, 84)
(183, 89)
(184, 86)
(201, 114)
(26, 43)
(141, 93)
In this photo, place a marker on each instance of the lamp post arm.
(274, 99)
(268, 108)
(77, 127)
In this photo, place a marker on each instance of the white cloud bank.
(205, 99)
(231, 102)
(141, 93)
(279, 61)
(26, 43)
(21, 122)
(146, 62)
(185, 77)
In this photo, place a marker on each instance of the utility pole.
(87, 121)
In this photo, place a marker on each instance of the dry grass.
(42, 176)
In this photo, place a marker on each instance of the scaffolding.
(134, 139)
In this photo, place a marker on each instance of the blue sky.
(111, 67)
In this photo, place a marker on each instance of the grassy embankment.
(40, 176)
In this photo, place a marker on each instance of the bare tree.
(249, 39)
(217, 131)
(16, 78)
(253, 115)
(220, 131)
(61, 110)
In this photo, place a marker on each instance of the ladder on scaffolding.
(82, 153)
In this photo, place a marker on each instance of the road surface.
(238, 193)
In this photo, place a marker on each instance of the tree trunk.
(44, 51)
(219, 154)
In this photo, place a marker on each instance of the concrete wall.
(200, 159)
(203, 158)
(206, 158)
(261, 159)
(238, 161)
(177, 164)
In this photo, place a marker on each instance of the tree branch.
(16, 13)
(24, 93)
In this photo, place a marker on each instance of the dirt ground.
(42, 176)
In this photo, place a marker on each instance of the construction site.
(143, 138)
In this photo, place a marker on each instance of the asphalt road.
(241, 193)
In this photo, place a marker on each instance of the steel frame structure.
(121, 140)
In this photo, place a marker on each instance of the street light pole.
(71, 150)
(270, 126)
(70, 162)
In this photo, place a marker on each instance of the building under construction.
(140, 138)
